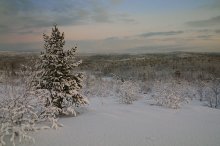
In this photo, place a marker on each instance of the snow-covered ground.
(105, 122)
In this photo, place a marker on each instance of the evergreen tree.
(56, 73)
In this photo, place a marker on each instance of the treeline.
(198, 75)
(155, 66)
(188, 66)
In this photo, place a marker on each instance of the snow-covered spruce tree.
(56, 74)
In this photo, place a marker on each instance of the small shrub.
(170, 95)
(127, 91)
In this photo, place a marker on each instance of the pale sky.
(113, 26)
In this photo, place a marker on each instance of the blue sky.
(113, 26)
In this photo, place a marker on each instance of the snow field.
(105, 122)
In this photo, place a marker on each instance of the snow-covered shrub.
(55, 74)
(21, 112)
(216, 90)
(169, 99)
(17, 111)
(200, 89)
(47, 114)
(98, 86)
(146, 86)
(17, 118)
(212, 92)
(170, 95)
(127, 91)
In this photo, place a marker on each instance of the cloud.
(214, 21)
(204, 37)
(157, 49)
(217, 31)
(167, 33)
(32, 14)
(3, 28)
(21, 47)
(116, 2)
(24, 14)
(100, 15)
(112, 39)
(133, 44)
(215, 4)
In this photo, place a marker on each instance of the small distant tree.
(55, 74)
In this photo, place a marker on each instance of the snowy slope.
(105, 122)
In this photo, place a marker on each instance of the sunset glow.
(119, 26)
